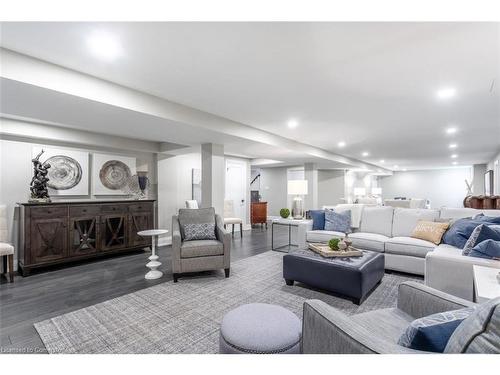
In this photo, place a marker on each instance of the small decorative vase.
(347, 241)
(342, 245)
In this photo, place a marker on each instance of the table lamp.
(297, 188)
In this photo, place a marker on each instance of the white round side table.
(153, 263)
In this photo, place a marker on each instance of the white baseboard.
(165, 241)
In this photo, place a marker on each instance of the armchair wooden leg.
(226, 271)
(176, 277)
(241, 230)
(11, 267)
(232, 231)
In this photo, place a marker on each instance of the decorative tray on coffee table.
(325, 251)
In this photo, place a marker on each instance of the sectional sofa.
(388, 230)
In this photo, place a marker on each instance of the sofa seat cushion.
(322, 235)
(201, 248)
(408, 246)
(388, 324)
(369, 241)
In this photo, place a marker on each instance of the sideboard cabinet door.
(113, 232)
(139, 221)
(49, 239)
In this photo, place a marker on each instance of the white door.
(236, 188)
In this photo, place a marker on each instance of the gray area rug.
(185, 317)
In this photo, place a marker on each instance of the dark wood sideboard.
(63, 232)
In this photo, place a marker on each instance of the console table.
(68, 231)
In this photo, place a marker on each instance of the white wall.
(174, 185)
(330, 187)
(494, 165)
(273, 189)
(444, 187)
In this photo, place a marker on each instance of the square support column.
(213, 173)
(311, 175)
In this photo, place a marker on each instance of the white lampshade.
(297, 187)
(359, 191)
(376, 191)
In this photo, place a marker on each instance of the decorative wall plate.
(64, 173)
(114, 174)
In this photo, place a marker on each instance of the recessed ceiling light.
(446, 93)
(365, 153)
(293, 124)
(341, 144)
(454, 156)
(382, 161)
(455, 163)
(396, 166)
(451, 130)
(404, 169)
(104, 45)
(453, 145)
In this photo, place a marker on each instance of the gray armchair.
(199, 255)
(328, 330)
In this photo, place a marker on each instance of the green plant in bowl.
(284, 213)
(334, 244)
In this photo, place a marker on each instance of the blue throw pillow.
(487, 219)
(338, 221)
(318, 218)
(482, 233)
(431, 333)
(489, 249)
(459, 232)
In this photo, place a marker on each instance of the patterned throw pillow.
(482, 233)
(338, 221)
(431, 333)
(430, 231)
(203, 231)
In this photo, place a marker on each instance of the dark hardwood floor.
(58, 291)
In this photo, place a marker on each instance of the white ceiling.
(371, 85)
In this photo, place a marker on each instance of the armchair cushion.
(6, 249)
(201, 248)
(195, 216)
(431, 333)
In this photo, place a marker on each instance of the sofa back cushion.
(480, 332)
(195, 216)
(377, 220)
(457, 213)
(406, 219)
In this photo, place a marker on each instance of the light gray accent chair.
(328, 330)
(199, 255)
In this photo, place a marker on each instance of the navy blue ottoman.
(353, 277)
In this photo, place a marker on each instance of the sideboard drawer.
(114, 208)
(89, 210)
(45, 211)
(140, 207)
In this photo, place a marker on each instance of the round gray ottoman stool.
(260, 328)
